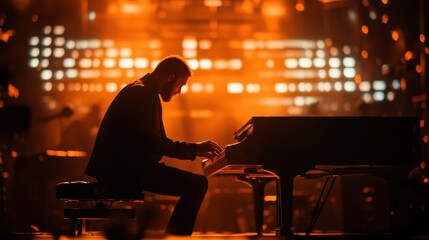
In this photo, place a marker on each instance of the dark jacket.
(131, 137)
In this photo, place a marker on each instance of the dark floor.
(215, 236)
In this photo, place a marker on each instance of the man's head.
(172, 73)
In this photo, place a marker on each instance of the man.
(131, 141)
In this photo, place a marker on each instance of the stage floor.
(214, 236)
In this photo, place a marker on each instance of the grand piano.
(282, 148)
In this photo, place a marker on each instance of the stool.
(101, 200)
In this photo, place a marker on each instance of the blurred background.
(63, 61)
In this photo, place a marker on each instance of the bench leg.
(77, 226)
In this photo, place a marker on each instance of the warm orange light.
(395, 35)
(408, 55)
(14, 153)
(273, 8)
(197, 87)
(425, 138)
(364, 54)
(328, 42)
(367, 190)
(131, 8)
(12, 91)
(201, 114)
(270, 198)
(193, 64)
(109, 63)
(189, 43)
(206, 63)
(419, 68)
(299, 6)
(111, 87)
(422, 38)
(253, 88)
(235, 88)
(385, 18)
(126, 63)
(365, 29)
(403, 84)
(280, 87)
(422, 123)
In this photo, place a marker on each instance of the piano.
(282, 148)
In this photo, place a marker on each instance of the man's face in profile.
(172, 88)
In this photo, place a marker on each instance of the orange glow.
(385, 2)
(14, 153)
(201, 114)
(47, 86)
(385, 18)
(395, 35)
(193, 63)
(65, 153)
(109, 63)
(425, 180)
(270, 198)
(205, 44)
(13, 92)
(253, 88)
(422, 38)
(273, 8)
(403, 84)
(364, 54)
(299, 6)
(111, 87)
(365, 29)
(235, 88)
(408, 55)
(131, 8)
(422, 165)
(189, 43)
(197, 87)
(206, 64)
(236, 64)
(328, 42)
(422, 123)
(34, 18)
(367, 190)
(4, 36)
(418, 68)
(280, 87)
(126, 63)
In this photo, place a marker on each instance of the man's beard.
(166, 93)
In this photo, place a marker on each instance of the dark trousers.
(190, 187)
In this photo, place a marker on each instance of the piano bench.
(101, 201)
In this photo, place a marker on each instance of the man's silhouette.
(131, 141)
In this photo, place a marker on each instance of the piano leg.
(284, 207)
(258, 186)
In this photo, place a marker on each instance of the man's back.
(119, 148)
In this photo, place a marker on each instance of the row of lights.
(73, 73)
(205, 63)
(378, 88)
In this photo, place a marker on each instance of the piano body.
(282, 148)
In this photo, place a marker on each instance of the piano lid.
(326, 140)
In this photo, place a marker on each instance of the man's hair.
(173, 65)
